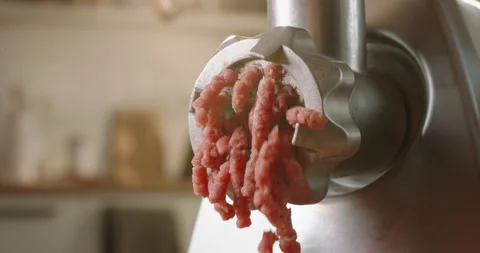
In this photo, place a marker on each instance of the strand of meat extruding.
(208, 96)
(266, 245)
(207, 156)
(213, 132)
(202, 105)
(286, 98)
(270, 194)
(212, 158)
(297, 182)
(305, 116)
(218, 191)
(242, 88)
(261, 124)
(239, 145)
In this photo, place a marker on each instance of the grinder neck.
(337, 26)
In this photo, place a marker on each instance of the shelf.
(184, 187)
(142, 18)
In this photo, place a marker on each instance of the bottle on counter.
(23, 143)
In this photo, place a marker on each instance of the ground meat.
(230, 77)
(225, 210)
(213, 132)
(199, 175)
(286, 98)
(239, 144)
(274, 71)
(262, 116)
(211, 158)
(261, 124)
(265, 165)
(270, 195)
(305, 116)
(235, 121)
(248, 188)
(250, 117)
(222, 145)
(266, 245)
(250, 149)
(295, 177)
(208, 96)
(242, 88)
(207, 99)
(217, 187)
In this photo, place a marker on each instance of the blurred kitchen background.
(94, 149)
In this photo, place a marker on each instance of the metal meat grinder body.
(399, 83)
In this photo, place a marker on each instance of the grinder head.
(324, 85)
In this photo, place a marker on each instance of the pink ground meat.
(305, 116)
(242, 88)
(239, 145)
(251, 150)
(222, 145)
(266, 246)
(261, 125)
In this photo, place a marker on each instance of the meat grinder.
(397, 168)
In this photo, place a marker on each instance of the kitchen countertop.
(181, 187)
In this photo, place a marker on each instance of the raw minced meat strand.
(211, 158)
(213, 132)
(230, 76)
(216, 114)
(266, 194)
(200, 180)
(261, 125)
(262, 116)
(235, 121)
(218, 184)
(275, 71)
(222, 145)
(287, 235)
(250, 117)
(290, 245)
(239, 145)
(199, 175)
(286, 97)
(225, 210)
(248, 188)
(232, 123)
(207, 98)
(305, 116)
(201, 116)
(293, 170)
(242, 210)
(269, 196)
(238, 155)
(268, 155)
(266, 244)
(242, 88)
(217, 187)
